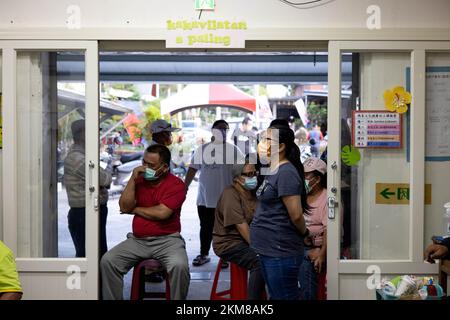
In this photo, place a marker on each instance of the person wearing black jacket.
(438, 251)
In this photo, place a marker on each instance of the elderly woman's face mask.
(250, 183)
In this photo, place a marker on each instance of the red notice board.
(377, 129)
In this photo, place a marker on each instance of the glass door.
(50, 166)
(376, 165)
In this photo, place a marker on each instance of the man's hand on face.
(435, 251)
(138, 170)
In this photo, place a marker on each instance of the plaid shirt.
(75, 181)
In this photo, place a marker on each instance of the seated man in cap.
(75, 182)
(10, 288)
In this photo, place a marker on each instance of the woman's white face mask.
(264, 151)
(310, 184)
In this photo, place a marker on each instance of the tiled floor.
(119, 225)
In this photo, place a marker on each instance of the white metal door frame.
(415, 264)
(88, 265)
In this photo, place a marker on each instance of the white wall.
(437, 173)
(260, 14)
(384, 229)
(1, 165)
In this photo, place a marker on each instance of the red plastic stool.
(322, 286)
(138, 283)
(238, 283)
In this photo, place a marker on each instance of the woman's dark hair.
(279, 122)
(246, 120)
(323, 178)
(221, 121)
(292, 153)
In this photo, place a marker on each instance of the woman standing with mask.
(278, 228)
(231, 235)
(316, 250)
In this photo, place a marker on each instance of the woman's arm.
(295, 210)
(320, 260)
(244, 231)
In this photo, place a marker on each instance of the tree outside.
(317, 113)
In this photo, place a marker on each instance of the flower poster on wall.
(397, 100)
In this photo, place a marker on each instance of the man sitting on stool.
(154, 196)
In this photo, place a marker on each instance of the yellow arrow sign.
(397, 193)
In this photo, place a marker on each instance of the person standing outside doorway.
(162, 132)
(315, 138)
(75, 182)
(244, 137)
(215, 161)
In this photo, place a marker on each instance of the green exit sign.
(204, 4)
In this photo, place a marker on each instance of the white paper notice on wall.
(377, 129)
(223, 34)
(438, 114)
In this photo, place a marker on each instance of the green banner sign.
(204, 4)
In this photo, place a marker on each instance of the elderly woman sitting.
(231, 234)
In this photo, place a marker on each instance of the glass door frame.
(415, 264)
(88, 266)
